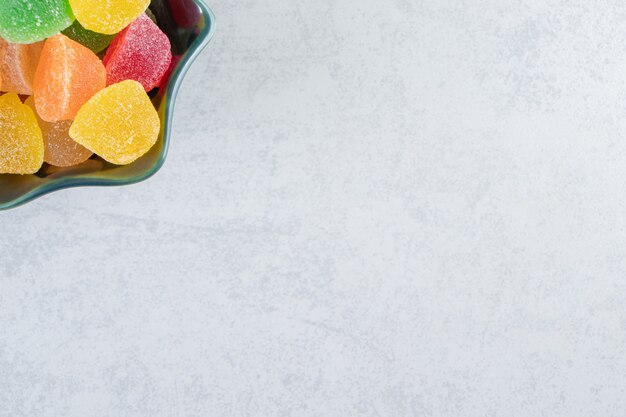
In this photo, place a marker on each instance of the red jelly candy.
(141, 52)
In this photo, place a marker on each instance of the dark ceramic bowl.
(190, 25)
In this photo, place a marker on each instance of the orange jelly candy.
(67, 76)
(17, 66)
(59, 149)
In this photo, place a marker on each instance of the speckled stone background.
(370, 208)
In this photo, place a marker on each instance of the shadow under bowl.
(190, 25)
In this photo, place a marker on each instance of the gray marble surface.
(370, 208)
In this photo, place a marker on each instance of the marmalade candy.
(77, 78)
(119, 123)
(67, 76)
(21, 141)
(59, 149)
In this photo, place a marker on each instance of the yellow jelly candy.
(108, 17)
(118, 123)
(21, 141)
(59, 149)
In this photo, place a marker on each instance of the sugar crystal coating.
(59, 149)
(119, 123)
(17, 66)
(21, 141)
(67, 76)
(141, 52)
(28, 21)
(108, 16)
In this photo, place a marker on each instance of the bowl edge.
(201, 42)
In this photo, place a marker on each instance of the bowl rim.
(200, 42)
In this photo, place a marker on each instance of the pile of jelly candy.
(74, 82)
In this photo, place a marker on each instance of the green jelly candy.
(29, 21)
(97, 42)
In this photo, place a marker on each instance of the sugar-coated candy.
(119, 123)
(74, 77)
(59, 149)
(67, 76)
(28, 21)
(97, 42)
(108, 17)
(17, 66)
(141, 52)
(21, 141)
